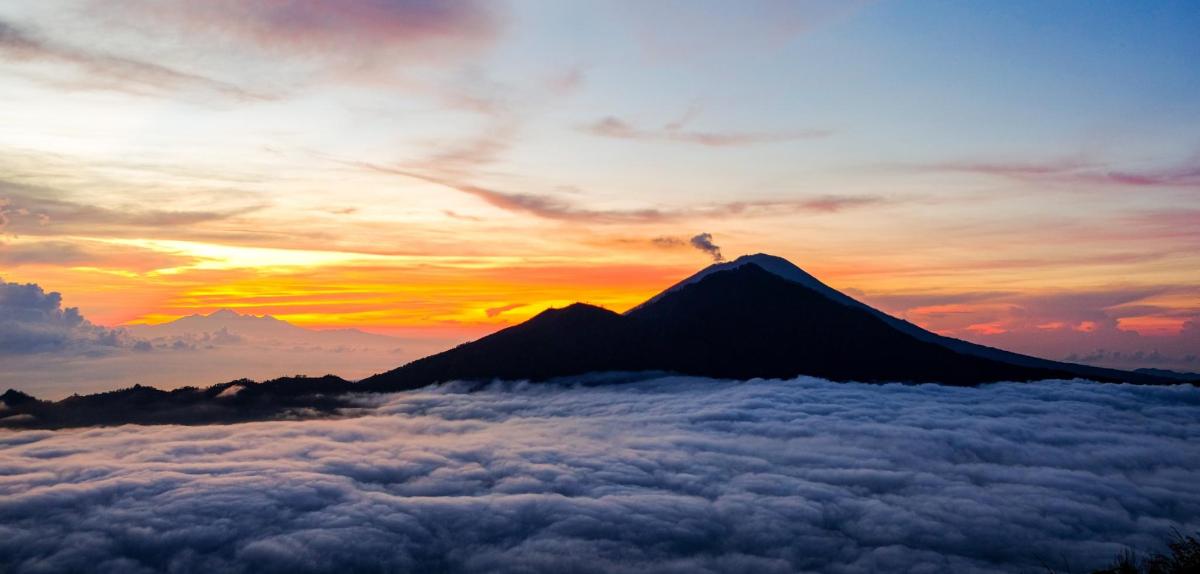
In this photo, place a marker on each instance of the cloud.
(673, 475)
(558, 208)
(496, 311)
(1075, 171)
(34, 321)
(36, 210)
(4, 213)
(704, 243)
(89, 253)
(99, 70)
(667, 241)
(355, 39)
(613, 127)
(1065, 325)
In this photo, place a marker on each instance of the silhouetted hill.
(741, 322)
(235, 401)
(1169, 374)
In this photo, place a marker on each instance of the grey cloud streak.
(108, 71)
(613, 127)
(37, 210)
(1186, 174)
(673, 475)
(550, 207)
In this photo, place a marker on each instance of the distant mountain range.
(756, 317)
(227, 326)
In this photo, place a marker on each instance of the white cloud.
(673, 475)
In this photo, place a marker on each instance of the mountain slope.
(574, 339)
(786, 270)
(733, 321)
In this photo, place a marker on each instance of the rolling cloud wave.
(672, 475)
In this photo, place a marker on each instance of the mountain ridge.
(735, 320)
(703, 326)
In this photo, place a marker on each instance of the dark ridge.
(289, 397)
(1169, 374)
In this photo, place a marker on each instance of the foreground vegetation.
(1183, 558)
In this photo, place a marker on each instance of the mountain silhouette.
(757, 316)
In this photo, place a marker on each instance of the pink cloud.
(358, 35)
(1132, 330)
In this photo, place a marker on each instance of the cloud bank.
(52, 351)
(673, 475)
(33, 321)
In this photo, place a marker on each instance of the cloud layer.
(673, 475)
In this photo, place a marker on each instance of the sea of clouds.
(671, 475)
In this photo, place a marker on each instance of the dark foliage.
(1183, 557)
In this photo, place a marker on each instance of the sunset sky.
(1020, 174)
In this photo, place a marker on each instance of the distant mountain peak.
(232, 315)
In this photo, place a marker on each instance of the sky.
(1019, 174)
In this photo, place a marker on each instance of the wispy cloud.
(99, 70)
(76, 252)
(614, 127)
(41, 211)
(497, 311)
(364, 40)
(558, 208)
(1078, 171)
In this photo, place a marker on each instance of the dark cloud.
(704, 243)
(34, 321)
(613, 127)
(674, 475)
(98, 70)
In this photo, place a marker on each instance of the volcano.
(756, 317)
(759, 316)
